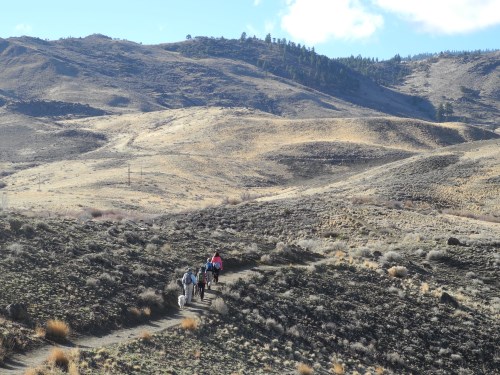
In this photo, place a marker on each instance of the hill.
(190, 158)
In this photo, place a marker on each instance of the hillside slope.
(188, 158)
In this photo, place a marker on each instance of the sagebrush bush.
(391, 256)
(57, 330)
(398, 271)
(15, 225)
(220, 306)
(436, 255)
(150, 298)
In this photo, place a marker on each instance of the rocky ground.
(438, 312)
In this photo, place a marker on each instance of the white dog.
(181, 301)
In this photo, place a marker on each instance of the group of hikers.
(207, 273)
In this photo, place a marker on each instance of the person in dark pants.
(202, 280)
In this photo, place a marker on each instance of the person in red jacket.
(217, 266)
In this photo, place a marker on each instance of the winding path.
(19, 363)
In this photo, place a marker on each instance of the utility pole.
(129, 174)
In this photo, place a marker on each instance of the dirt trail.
(19, 363)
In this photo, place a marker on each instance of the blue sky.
(336, 28)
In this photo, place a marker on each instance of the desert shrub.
(139, 272)
(338, 368)
(57, 330)
(151, 248)
(420, 252)
(150, 298)
(107, 279)
(189, 324)
(266, 258)
(15, 225)
(362, 252)
(146, 336)
(131, 237)
(398, 271)
(220, 306)
(391, 256)
(394, 358)
(436, 255)
(28, 230)
(294, 331)
(2, 184)
(274, 325)
(280, 246)
(41, 225)
(92, 282)
(304, 369)
(16, 248)
(58, 358)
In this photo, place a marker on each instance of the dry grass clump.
(57, 330)
(398, 271)
(58, 358)
(424, 288)
(189, 324)
(304, 369)
(338, 368)
(146, 336)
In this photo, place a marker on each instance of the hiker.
(188, 283)
(208, 272)
(217, 266)
(201, 278)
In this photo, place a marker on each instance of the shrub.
(304, 369)
(15, 225)
(274, 325)
(391, 256)
(436, 255)
(220, 306)
(398, 271)
(146, 336)
(57, 330)
(131, 237)
(28, 230)
(150, 298)
(338, 368)
(58, 358)
(189, 324)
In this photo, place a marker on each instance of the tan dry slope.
(190, 158)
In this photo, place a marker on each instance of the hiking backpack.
(201, 277)
(217, 265)
(189, 280)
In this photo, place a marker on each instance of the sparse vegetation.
(189, 324)
(57, 330)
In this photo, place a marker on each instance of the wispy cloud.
(446, 16)
(257, 2)
(316, 21)
(23, 28)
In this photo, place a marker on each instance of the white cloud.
(23, 28)
(446, 16)
(257, 2)
(316, 21)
